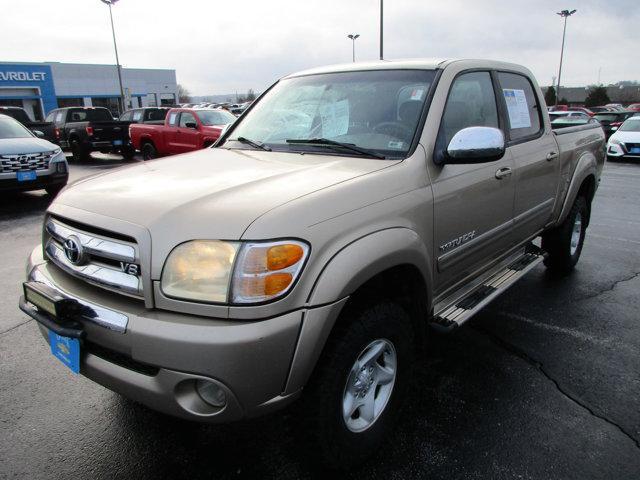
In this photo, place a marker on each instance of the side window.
(522, 106)
(471, 103)
(126, 116)
(137, 115)
(173, 118)
(59, 120)
(50, 117)
(185, 118)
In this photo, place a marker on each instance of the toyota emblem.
(73, 250)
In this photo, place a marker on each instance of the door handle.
(552, 155)
(503, 172)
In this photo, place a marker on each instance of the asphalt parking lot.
(543, 384)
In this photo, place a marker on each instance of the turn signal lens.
(264, 271)
(277, 282)
(283, 256)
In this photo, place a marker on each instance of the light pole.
(353, 45)
(564, 14)
(115, 46)
(381, 27)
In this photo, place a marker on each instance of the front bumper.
(620, 152)
(43, 180)
(160, 355)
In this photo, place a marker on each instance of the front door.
(188, 134)
(535, 155)
(473, 203)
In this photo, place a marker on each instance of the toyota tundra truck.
(350, 211)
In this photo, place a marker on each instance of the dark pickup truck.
(40, 129)
(87, 129)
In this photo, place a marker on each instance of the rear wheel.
(564, 243)
(79, 153)
(354, 397)
(149, 151)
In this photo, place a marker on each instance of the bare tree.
(184, 96)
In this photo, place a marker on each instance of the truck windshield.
(9, 128)
(212, 117)
(375, 110)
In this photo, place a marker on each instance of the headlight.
(614, 141)
(232, 272)
(199, 270)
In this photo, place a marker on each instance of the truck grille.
(110, 262)
(28, 161)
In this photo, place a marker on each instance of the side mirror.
(38, 133)
(476, 145)
(191, 125)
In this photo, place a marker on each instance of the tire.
(128, 153)
(564, 243)
(338, 440)
(53, 191)
(79, 153)
(149, 151)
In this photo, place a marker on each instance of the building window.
(112, 103)
(70, 102)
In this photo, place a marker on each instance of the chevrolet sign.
(22, 76)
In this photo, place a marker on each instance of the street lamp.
(381, 26)
(115, 46)
(353, 45)
(564, 14)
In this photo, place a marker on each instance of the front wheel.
(564, 243)
(54, 190)
(355, 395)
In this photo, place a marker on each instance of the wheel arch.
(583, 182)
(396, 268)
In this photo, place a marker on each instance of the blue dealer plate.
(65, 349)
(634, 150)
(26, 176)
(117, 142)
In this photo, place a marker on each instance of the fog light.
(211, 393)
(61, 167)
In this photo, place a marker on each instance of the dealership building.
(41, 87)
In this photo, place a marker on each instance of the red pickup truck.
(184, 130)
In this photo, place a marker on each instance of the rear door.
(534, 151)
(473, 206)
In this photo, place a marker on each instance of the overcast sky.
(219, 46)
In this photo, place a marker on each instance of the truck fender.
(366, 257)
(347, 270)
(586, 166)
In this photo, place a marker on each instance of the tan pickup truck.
(308, 253)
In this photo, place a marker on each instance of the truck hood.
(632, 137)
(211, 193)
(16, 146)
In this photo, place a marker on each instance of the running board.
(452, 316)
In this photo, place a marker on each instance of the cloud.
(220, 47)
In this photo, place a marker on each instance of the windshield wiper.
(333, 144)
(254, 144)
